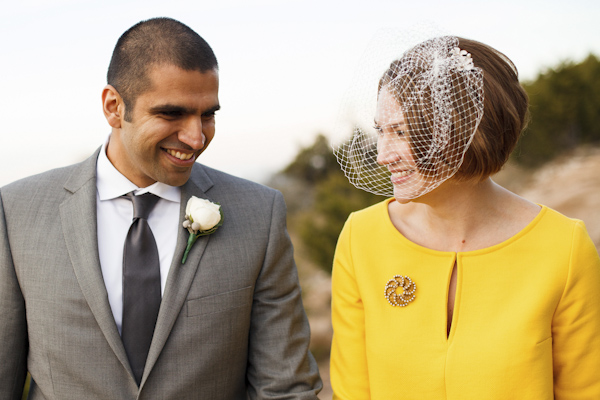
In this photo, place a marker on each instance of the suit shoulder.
(50, 178)
(42, 184)
(236, 184)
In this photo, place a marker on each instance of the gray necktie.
(141, 285)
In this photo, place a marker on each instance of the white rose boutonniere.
(202, 217)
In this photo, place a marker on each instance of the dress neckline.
(390, 226)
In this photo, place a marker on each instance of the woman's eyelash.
(399, 132)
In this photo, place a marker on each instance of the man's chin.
(178, 179)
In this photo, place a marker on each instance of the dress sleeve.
(576, 324)
(349, 374)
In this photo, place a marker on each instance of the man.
(91, 314)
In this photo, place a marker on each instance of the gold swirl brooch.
(400, 291)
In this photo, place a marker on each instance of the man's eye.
(170, 114)
(400, 133)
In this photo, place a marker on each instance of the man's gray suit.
(222, 315)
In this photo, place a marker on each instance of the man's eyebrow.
(170, 108)
(212, 110)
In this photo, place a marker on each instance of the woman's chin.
(402, 200)
(404, 195)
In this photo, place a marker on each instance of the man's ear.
(113, 106)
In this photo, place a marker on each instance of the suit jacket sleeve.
(13, 325)
(279, 363)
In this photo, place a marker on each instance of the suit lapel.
(79, 223)
(180, 275)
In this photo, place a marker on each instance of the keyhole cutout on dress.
(451, 298)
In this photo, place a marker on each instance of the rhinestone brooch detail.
(400, 291)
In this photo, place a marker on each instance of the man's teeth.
(181, 156)
(403, 173)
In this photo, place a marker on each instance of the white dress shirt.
(115, 215)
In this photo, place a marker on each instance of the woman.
(456, 288)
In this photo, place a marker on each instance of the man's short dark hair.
(153, 42)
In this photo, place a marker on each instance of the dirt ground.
(570, 185)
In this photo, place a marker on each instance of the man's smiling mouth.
(180, 155)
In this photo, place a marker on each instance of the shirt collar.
(112, 184)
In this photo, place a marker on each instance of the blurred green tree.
(314, 163)
(319, 199)
(335, 199)
(565, 112)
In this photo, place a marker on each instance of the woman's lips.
(399, 177)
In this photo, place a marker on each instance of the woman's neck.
(463, 216)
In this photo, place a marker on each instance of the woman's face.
(394, 149)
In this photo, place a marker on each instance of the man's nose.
(191, 134)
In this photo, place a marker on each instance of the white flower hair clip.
(463, 59)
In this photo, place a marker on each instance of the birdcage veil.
(424, 110)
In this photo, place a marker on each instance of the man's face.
(172, 123)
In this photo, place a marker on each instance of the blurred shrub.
(319, 199)
(313, 164)
(319, 228)
(565, 112)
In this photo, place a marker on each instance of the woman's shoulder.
(374, 211)
(552, 218)
(369, 219)
(516, 217)
(558, 234)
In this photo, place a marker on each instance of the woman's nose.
(387, 150)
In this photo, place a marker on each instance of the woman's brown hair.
(505, 112)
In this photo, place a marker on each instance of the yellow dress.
(526, 322)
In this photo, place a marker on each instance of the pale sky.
(284, 66)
